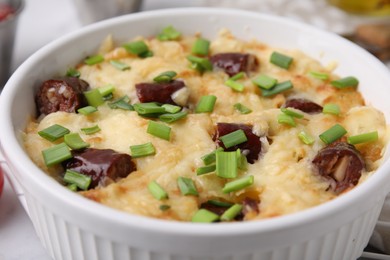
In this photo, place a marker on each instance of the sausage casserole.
(182, 128)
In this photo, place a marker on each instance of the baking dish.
(72, 227)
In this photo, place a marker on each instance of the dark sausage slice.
(340, 163)
(63, 94)
(101, 164)
(250, 148)
(304, 105)
(249, 206)
(219, 210)
(233, 63)
(158, 92)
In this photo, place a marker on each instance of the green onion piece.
(148, 108)
(234, 138)
(306, 138)
(201, 47)
(291, 112)
(234, 85)
(264, 81)
(165, 77)
(157, 191)
(226, 164)
(345, 82)
(56, 154)
(242, 162)
(119, 65)
(238, 76)
(220, 203)
(72, 187)
(242, 109)
(137, 47)
(72, 72)
(121, 103)
(146, 54)
(170, 118)
(210, 157)
(87, 110)
(333, 109)
(90, 130)
(171, 108)
(168, 34)
(319, 75)
(363, 138)
(164, 207)
(74, 141)
(94, 98)
(200, 64)
(204, 216)
(82, 181)
(53, 132)
(283, 86)
(231, 212)
(160, 130)
(281, 60)
(238, 184)
(94, 60)
(286, 119)
(187, 186)
(206, 104)
(106, 90)
(205, 169)
(332, 134)
(142, 150)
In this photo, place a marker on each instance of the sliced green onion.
(333, 133)
(171, 108)
(220, 203)
(242, 162)
(164, 207)
(204, 216)
(280, 87)
(74, 141)
(146, 54)
(87, 110)
(106, 90)
(201, 47)
(159, 130)
(136, 47)
(291, 112)
(206, 104)
(238, 184)
(168, 34)
(286, 119)
(264, 81)
(234, 85)
(231, 212)
(94, 98)
(142, 150)
(210, 157)
(157, 191)
(91, 130)
(170, 118)
(234, 138)
(200, 64)
(56, 154)
(72, 72)
(226, 164)
(242, 109)
(363, 138)
(333, 109)
(148, 108)
(205, 169)
(53, 132)
(72, 187)
(119, 65)
(187, 186)
(306, 138)
(82, 181)
(165, 77)
(238, 76)
(94, 60)
(281, 60)
(319, 75)
(121, 103)
(345, 82)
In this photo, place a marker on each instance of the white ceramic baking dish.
(72, 227)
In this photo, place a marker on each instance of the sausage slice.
(233, 63)
(158, 92)
(304, 105)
